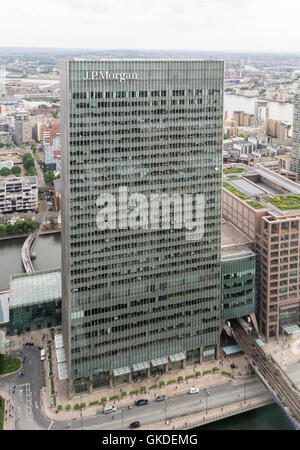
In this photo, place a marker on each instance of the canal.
(48, 256)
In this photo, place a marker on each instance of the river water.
(277, 111)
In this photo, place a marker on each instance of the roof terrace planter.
(255, 205)
(235, 170)
(235, 191)
(285, 202)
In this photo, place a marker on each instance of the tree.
(4, 172)
(32, 171)
(16, 170)
(49, 177)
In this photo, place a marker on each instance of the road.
(29, 414)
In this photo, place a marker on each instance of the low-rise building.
(18, 194)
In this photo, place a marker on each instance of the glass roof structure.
(291, 329)
(236, 348)
(62, 371)
(60, 355)
(37, 287)
(159, 361)
(121, 371)
(140, 366)
(4, 308)
(177, 357)
(59, 343)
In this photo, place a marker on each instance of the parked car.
(135, 424)
(142, 402)
(193, 390)
(43, 355)
(161, 398)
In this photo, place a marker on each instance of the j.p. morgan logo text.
(106, 75)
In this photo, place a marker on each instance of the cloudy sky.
(232, 25)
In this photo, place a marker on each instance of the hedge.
(103, 400)
(153, 386)
(2, 403)
(136, 391)
(198, 374)
(68, 407)
(171, 381)
(83, 405)
(123, 394)
(76, 406)
(226, 373)
(206, 372)
(59, 407)
(113, 397)
(162, 383)
(52, 391)
(215, 369)
(50, 373)
(143, 388)
(189, 376)
(95, 402)
(180, 379)
(54, 401)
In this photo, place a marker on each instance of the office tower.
(23, 129)
(296, 127)
(137, 302)
(2, 81)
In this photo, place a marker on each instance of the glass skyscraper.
(296, 127)
(139, 299)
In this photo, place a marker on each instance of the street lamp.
(165, 410)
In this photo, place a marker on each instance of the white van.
(43, 355)
(109, 409)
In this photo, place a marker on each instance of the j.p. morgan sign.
(106, 75)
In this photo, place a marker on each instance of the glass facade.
(238, 296)
(296, 127)
(135, 295)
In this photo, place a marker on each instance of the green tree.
(32, 171)
(4, 172)
(16, 170)
(49, 177)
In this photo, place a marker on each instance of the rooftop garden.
(235, 191)
(285, 201)
(255, 205)
(235, 170)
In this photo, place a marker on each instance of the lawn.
(285, 201)
(9, 365)
(235, 170)
(255, 205)
(234, 190)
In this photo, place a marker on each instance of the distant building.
(50, 132)
(23, 129)
(18, 194)
(261, 112)
(52, 156)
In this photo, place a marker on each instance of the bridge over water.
(282, 389)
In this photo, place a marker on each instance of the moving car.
(135, 424)
(109, 409)
(193, 390)
(142, 402)
(161, 398)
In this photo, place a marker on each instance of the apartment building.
(18, 194)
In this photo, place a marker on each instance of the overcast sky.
(232, 25)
